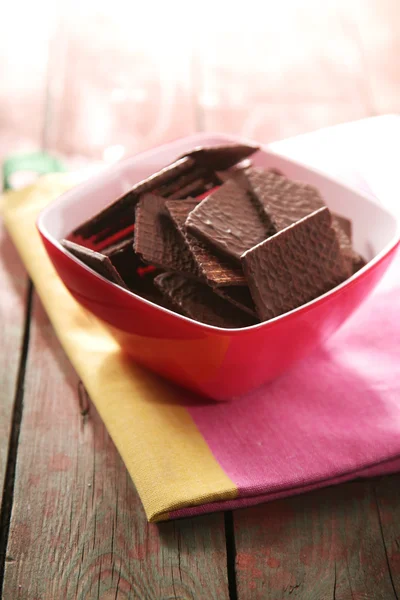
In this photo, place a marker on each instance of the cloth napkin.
(332, 417)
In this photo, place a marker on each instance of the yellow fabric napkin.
(164, 452)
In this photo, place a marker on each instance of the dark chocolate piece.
(294, 266)
(121, 212)
(238, 296)
(157, 240)
(228, 220)
(283, 201)
(199, 302)
(96, 261)
(217, 271)
(219, 158)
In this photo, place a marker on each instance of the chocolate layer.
(294, 266)
(199, 302)
(228, 221)
(216, 270)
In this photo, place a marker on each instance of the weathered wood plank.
(78, 529)
(318, 546)
(13, 291)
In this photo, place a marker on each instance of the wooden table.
(72, 525)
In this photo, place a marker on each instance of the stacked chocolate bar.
(220, 241)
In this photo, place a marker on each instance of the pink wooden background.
(105, 79)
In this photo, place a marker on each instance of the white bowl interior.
(375, 229)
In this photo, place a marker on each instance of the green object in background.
(20, 170)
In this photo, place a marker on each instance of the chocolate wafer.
(199, 302)
(95, 260)
(216, 270)
(228, 220)
(295, 265)
(219, 158)
(157, 240)
(283, 201)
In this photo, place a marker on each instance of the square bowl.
(215, 362)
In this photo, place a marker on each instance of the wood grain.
(323, 545)
(78, 530)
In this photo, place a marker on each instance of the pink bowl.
(218, 363)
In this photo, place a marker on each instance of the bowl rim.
(105, 172)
